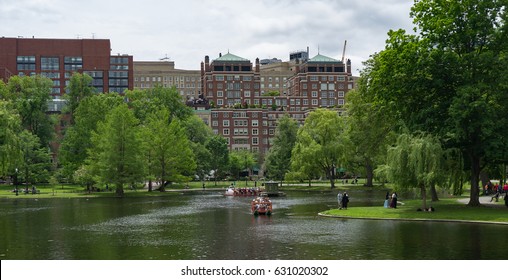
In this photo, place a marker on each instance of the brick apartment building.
(248, 99)
(58, 59)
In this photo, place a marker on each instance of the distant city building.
(299, 55)
(58, 59)
(320, 82)
(274, 77)
(247, 100)
(148, 74)
(269, 61)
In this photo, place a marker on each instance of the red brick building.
(57, 59)
(321, 82)
(247, 117)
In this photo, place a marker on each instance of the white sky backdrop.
(187, 30)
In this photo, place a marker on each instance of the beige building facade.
(148, 74)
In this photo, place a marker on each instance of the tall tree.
(35, 164)
(369, 128)
(10, 127)
(30, 95)
(475, 34)
(415, 161)
(218, 148)
(80, 87)
(279, 156)
(321, 142)
(78, 138)
(450, 79)
(116, 155)
(241, 161)
(198, 134)
(172, 157)
(149, 100)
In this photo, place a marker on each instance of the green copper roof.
(230, 57)
(322, 58)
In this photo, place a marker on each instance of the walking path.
(485, 200)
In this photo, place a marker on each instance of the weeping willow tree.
(415, 161)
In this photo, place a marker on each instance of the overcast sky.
(187, 30)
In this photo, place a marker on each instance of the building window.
(225, 131)
(314, 102)
(225, 123)
(314, 94)
(220, 94)
(255, 131)
(73, 63)
(50, 63)
(254, 141)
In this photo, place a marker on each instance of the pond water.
(209, 226)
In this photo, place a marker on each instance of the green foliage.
(10, 147)
(198, 134)
(116, 153)
(30, 96)
(79, 88)
(219, 154)
(240, 161)
(450, 79)
(78, 138)
(272, 93)
(35, 164)
(172, 157)
(320, 144)
(279, 156)
(415, 161)
(369, 128)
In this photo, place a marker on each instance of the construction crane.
(344, 50)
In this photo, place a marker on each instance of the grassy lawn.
(446, 209)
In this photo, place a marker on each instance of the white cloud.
(188, 30)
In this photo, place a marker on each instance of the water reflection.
(211, 226)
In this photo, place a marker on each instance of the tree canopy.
(321, 143)
(449, 79)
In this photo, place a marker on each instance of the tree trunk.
(433, 193)
(150, 188)
(474, 198)
(369, 173)
(162, 188)
(119, 190)
(424, 197)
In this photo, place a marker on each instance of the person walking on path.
(345, 200)
(339, 200)
(506, 199)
